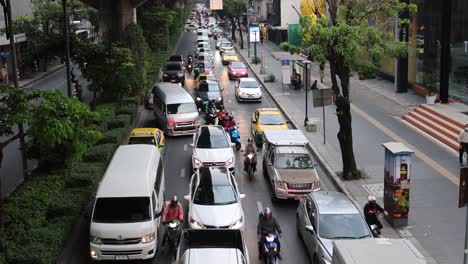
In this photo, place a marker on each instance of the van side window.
(272, 157)
(155, 206)
(159, 175)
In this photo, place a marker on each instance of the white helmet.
(371, 198)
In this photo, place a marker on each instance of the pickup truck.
(288, 165)
(378, 250)
(212, 246)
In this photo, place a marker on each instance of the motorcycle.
(270, 255)
(190, 68)
(173, 236)
(210, 116)
(250, 165)
(235, 136)
(374, 227)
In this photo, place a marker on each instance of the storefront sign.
(254, 34)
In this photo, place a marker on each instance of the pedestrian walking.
(322, 72)
(463, 139)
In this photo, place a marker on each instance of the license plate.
(173, 81)
(121, 257)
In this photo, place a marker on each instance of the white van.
(129, 202)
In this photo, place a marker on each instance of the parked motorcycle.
(173, 236)
(235, 136)
(375, 229)
(270, 255)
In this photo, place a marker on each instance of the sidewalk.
(367, 144)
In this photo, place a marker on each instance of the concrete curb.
(46, 74)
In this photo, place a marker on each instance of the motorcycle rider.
(370, 212)
(172, 211)
(250, 149)
(267, 224)
(222, 114)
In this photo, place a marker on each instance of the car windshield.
(122, 210)
(212, 139)
(271, 119)
(287, 161)
(173, 67)
(237, 66)
(230, 53)
(183, 108)
(248, 84)
(142, 140)
(208, 87)
(336, 226)
(175, 58)
(207, 194)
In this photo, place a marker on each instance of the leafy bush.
(126, 110)
(113, 136)
(99, 153)
(119, 121)
(131, 100)
(89, 168)
(79, 181)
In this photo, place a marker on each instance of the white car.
(225, 45)
(248, 89)
(212, 147)
(214, 200)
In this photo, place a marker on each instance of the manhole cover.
(376, 189)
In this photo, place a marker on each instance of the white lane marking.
(185, 147)
(259, 207)
(182, 173)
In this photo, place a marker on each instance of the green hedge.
(119, 121)
(113, 136)
(99, 153)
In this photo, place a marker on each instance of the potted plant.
(429, 82)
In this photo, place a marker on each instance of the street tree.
(234, 9)
(354, 37)
(61, 129)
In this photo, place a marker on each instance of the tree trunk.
(345, 134)
(233, 29)
(240, 36)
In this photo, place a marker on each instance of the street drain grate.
(375, 189)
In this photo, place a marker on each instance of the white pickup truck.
(379, 250)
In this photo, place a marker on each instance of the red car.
(237, 69)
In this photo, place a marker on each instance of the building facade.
(427, 58)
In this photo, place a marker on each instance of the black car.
(177, 58)
(208, 90)
(174, 72)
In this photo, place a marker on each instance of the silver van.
(175, 110)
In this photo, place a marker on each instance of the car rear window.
(271, 119)
(237, 65)
(175, 58)
(342, 226)
(287, 161)
(142, 140)
(230, 53)
(173, 67)
(122, 210)
(208, 87)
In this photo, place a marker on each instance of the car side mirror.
(158, 214)
(310, 228)
(242, 196)
(191, 145)
(187, 197)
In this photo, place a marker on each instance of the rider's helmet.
(174, 201)
(371, 199)
(267, 212)
(249, 141)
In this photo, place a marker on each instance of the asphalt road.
(178, 168)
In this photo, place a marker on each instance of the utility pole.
(306, 85)
(67, 47)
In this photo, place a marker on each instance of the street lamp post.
(67, 47)
(306, 84)
(250, 11)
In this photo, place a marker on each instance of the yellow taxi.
(205, 76)
(266, 118)
(151, 136)
(228, 56)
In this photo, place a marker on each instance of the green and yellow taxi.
(229, 56)
(205, 77)
(151, 136)
(267, 119)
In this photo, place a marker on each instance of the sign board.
(322, 97)
(254, 34)
(286, 75)
(463, 188)
(285, 62)
(216, 4)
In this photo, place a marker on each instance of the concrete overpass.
(116, 15)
